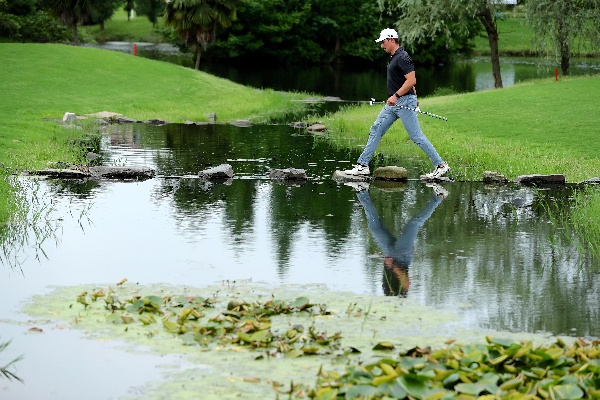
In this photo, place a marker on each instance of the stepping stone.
(223, 171)
(341, 176)
(293, 174)
(535, 179)
(391, 173)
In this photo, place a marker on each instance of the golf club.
(418, 110)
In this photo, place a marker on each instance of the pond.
(489, 253)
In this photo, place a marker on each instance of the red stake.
(135, 49)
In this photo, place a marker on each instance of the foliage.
(4, 370)
(196, 22)
(319, 31)
(22, 21)
(70, 12)
(101, 11)
(197, 322)
(500, 369)
(8, 195)
(451, 20)
(561, 25)
(153, 9)
(577, 222)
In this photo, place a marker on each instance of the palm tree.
(196, 21)
(70, 12)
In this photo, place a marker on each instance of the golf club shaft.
(412, 109)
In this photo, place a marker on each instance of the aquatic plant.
(577, 221)
(500, 369)
(4, 370)
(241, 323)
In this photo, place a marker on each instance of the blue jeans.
(385, 119)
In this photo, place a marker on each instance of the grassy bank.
(539, 127)
(120, 28)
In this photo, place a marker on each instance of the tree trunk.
(102, 25)
(564, 64)
(565, 49)
(198, 55)
(75, 34)
(488, 21)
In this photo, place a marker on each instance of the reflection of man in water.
(398, 253)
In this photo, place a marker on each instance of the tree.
(197, 21)
(151, 9)
(101, 11)
(418, 20)
(561, 25)
(128, 8)
(70, 12)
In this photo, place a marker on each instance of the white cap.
(387, 34)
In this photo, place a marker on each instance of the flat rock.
(440, 179)
(105, 115)
(591, 181)
(292, 174)
(341, 176)
(317, 128)
(83, 172)
(62, 173)
(69, 117)
(126, 173)
(494, 177)
(242, 123)
(535, 179)
(223, 171)
(391, 173)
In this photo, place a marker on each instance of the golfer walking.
(401, 81)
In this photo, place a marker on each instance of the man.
(401, 81)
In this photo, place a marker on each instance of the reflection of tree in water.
(295, 206)
(29, 228)
(33, 223)
(196, 201)
(289, 208)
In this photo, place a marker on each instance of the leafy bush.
(38, 27)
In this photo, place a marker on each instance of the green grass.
(516, 39)
(119, 28)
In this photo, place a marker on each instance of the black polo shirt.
(400, 64)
